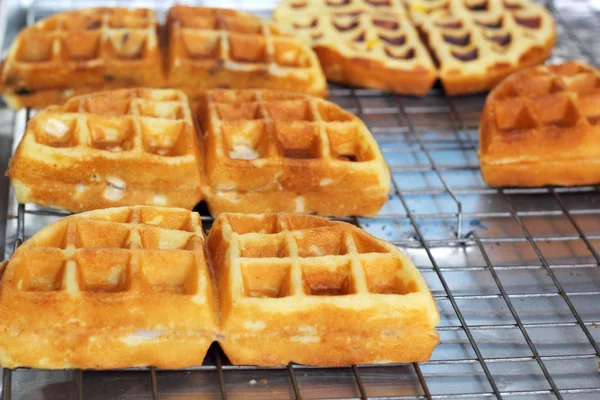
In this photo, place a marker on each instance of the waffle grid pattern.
(376, 28)
(128, 121)
(285, 127)
(86, 36)
(470, 45)
(234, 41)
(122, 252)
(435, 139)
(562, 96)
(139, 121)
(293, 258)
(487, 32)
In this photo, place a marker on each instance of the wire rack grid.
(514, 272)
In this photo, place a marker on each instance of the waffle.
(304, 289)
(218, 48)
(362, 43)
(112, 288)
(94, 49)
(268, 151)
(123, 147)
(541, 127)
(477, 43)
(386, 44)
(79, 52)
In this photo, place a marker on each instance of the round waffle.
(404, 45)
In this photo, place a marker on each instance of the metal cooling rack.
(515, 272)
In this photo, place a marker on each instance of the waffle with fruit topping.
(304, 289)
(112, 288)
(541, 126)
(362, 43)
(477, 43)
(268, 151)
(123, 147)
(218, 48)
(79, 52)
(404, 45)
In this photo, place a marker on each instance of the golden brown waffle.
(106, 48)
(82, 51)
(541, 127)
(124, 147)
(268, 151)
(113, 288)
(304, 289)
(218, 48)
(375, 44)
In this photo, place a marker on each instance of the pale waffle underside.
(543, 120)
(474, 43)
(262, 151)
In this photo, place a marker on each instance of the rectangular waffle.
(268, 151)
(79, 52)
(304, 289)
(218, 48)
(363, 43)
(125, 147)
(113, 288)
(96, 49)
(131, 286)
(540, 127)
(405, 45)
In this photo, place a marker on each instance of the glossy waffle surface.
(289, 285)
(131, 286)
(273, 151)
(81, 51)
(107, 48)
(211, 48)
(384, 44)
(125, 147)
(540, 127)
(111, 288)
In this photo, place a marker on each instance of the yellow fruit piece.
(419, 7)
(372, 43)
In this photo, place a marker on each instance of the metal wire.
(407, 137)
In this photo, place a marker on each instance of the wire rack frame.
(407, 136)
